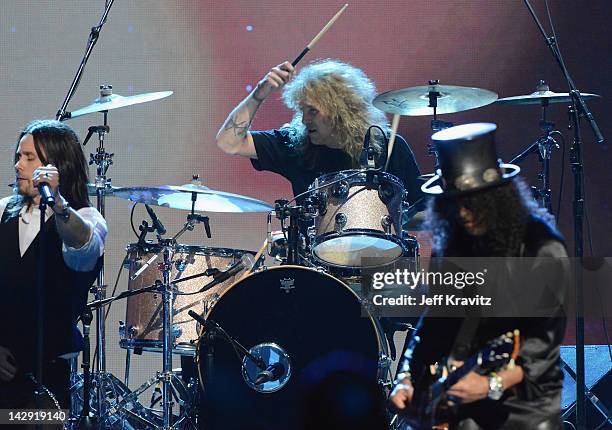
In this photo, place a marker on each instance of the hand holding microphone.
(46, 179)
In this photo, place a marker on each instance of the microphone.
(367, 153)
(196, 316)
(157, 225)
(272, 373)
(246, 261)
(46, 194)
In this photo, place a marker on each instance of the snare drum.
(312, 317)
(143, 322)
(359, 217)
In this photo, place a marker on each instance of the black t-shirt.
(276, 153)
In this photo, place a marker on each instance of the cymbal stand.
(544, 147)
(167, 311)
(436, 124)
(103, 160)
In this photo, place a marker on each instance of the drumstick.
(257, 257)
(319, 35)
(394, 125)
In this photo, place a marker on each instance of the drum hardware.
(103, 160)
(295, 214)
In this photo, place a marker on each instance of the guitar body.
(429, 408)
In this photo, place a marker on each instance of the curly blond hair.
(345, 94)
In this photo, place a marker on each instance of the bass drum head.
(316, 319)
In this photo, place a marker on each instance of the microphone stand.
(40, 302)
(578, 108)
(86, 422)
(102, 164)
(62, 114)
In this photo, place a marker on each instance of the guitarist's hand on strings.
(7, 365)
(470, 388)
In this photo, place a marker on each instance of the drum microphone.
(246, 262)
(199, 318)
(46, 194)
(367, 153)
(157, 225)
(272, 373)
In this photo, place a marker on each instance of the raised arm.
(233, 137)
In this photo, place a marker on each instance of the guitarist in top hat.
(480, 208)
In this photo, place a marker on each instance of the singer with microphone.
(332, 112)
(49, 164)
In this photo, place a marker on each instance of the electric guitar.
(429, 407)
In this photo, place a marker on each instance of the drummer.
(332, 105)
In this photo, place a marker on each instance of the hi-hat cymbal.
(414, 101)
(180, 197)
(115, 101)
(542, 97)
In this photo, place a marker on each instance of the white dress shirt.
(81, 259)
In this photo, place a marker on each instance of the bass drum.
(315, 319)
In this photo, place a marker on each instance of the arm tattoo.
(240, 129)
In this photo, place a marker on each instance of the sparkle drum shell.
(359, 217)
(143, 322)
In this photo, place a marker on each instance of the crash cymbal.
(179, 197)
(115, 101)
(414, 101)
(542, 97)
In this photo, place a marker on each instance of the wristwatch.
(496, 386)
(64, 215)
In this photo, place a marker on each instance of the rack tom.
(359, 219)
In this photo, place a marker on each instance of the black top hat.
(468, 161)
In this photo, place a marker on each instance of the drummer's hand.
(7, 365)
(402, 394)
(47, 174)
(274, 80)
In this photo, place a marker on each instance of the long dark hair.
(57, 144)
(505, 210)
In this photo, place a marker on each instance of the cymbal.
(179, 197)
(542, 97)
(414, 101)
(115, 101)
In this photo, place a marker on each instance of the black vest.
(65, 294)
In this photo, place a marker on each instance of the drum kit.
(299, 320)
